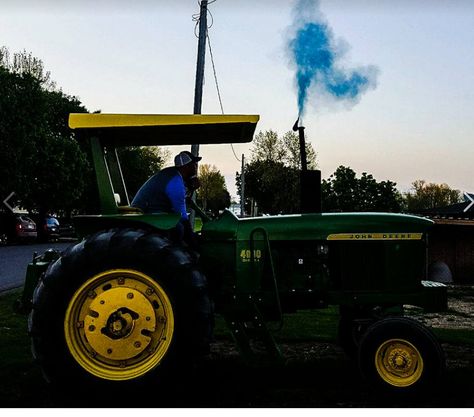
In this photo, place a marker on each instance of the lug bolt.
(102, 302)
(121, 281)
(137, 344)
(162, 319)
(149, 291)
(147, 318)
(80, 324)
(91, 328)
(92, 294)
(129, 295)
(93, 354)
(109, 351)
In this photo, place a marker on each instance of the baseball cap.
(184, 158)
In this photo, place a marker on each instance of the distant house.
(451, 242)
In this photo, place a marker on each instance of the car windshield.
(26, 219)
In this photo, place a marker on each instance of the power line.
(215, 74)
(196, 18)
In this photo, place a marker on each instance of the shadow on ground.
(315, 375)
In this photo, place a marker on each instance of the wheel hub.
(400, 359)
(116, 323)
(399, 362)
(119, 324)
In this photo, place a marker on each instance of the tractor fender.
(88, 224)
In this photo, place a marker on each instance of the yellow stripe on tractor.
(375, 236)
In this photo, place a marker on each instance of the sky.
(140, 57)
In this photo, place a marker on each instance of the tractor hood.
(321, 226)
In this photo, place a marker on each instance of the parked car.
(66, 229)
(16, 228)
(48, 228)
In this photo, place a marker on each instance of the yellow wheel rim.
(119, 324)
(399, 363)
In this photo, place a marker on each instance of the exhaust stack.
(300, 129)
(310, 180)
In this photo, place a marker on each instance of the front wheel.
(400, 354)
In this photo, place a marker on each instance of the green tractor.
(129, 301)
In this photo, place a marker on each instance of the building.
(451, 242)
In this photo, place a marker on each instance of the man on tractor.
(165, 192)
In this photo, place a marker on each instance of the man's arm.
(177, 194)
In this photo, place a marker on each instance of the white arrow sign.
(468, 196)
(8, 198)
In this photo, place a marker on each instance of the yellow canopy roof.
(164, 129)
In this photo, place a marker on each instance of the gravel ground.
(460, 314)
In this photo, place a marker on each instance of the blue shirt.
(164, 192)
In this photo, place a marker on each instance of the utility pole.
(242, 188)
(201, 56)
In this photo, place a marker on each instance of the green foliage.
(292, 155)
(39, 159)
(343, 191)
(24, 63)
(273, 186)
(212, 195)
(267, 146)
(430, 195)
(272, 181)
(20, 376)
(272, 176)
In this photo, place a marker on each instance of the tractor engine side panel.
(382, 266)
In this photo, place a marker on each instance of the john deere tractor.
(130, 300)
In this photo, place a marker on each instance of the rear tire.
(119, 305)
(400, 354)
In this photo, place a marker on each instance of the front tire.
(400, 354)
(120, 305)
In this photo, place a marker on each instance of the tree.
(273, 186)
(24, 63)
(39, 158)
(212, 195)
(430, 195)
(272, 176)
(39, 161)
(343, 191)
(292, 157)
(267, 146)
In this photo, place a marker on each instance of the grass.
(455, 336)
(20, 377)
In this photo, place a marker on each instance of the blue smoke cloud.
(318, 60)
